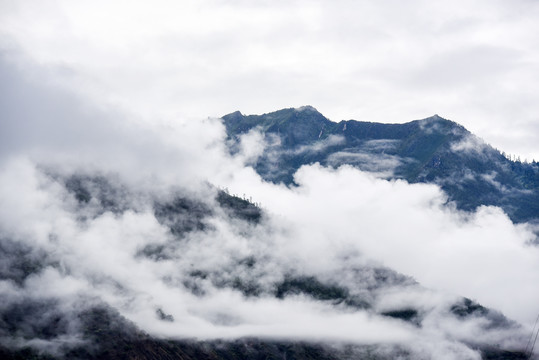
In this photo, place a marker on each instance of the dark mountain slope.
(432, 150)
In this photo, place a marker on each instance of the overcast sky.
(474, 62)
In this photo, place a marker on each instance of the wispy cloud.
(382, 164)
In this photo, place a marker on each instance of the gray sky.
(474, 62)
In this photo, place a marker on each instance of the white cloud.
(408, 228)
(98, 259)
(332, 140)
(251, 146)
(469, 143)
(382, 164)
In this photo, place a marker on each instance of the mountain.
(97, 265)
(42, 326)
(432, 150)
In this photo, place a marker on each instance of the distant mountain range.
(431, 150)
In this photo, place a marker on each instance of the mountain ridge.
(431, 150)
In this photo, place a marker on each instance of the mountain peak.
(438, 124)
(435, 117)
(308, 108)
